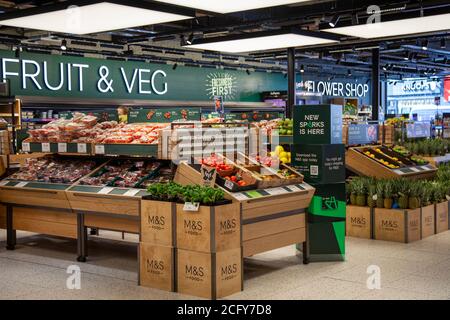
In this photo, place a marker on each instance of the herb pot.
(353, 199)
(403, 202)
(388, 203)
(414, 203)
(361, 200)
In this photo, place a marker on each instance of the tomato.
(233, 178)
(242, 183)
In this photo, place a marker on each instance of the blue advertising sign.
(418, 130)
(362, 134)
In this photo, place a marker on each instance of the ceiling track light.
(175, 66)
(247, 71)
(190, 39)
(64, 45)
(302, 69)
(349, 73)
(425, 45)
(443, 43)
(334, 21)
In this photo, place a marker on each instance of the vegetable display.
(174, 192)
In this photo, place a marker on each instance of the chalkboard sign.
(360, 134)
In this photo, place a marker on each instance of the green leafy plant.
(192, 193)
(414, 201)
(380, 193)
(388, 195)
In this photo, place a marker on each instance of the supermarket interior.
(236, 150)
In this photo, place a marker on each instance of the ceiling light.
(397, 27)
(248, 71)
(93, 17)
(385, 68)
(64, 45)
(259, 41)
(349, 73)
(406, 57)
(443, 43)
(425, 45)
(302, 69)
(334, 21)
(190, 39)
(228, 6)
(175, 66)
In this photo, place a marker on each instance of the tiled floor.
(421, 270)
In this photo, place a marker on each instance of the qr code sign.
(314, 170)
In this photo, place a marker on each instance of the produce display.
(399, 193)
(425, 148)
(221, 165)
(174, 192)
(85, 129)
(285, 127)
(392, 158)
(127, 174)
(53, 170)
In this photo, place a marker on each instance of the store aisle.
(38, 270)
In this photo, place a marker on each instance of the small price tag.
(131, 192)
(81, 147)
(229, 184)
(4, 182)
(415, 169)
(240, 196)
(62, 147)
(21, 184)
(294, 188)
(26, 147)
(191, 206)
(46, 147)
(275, 191)
(99, 149)
(106, 190)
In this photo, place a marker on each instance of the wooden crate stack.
(209, 253)
(157, 245)
(4, 142)
(197, 253)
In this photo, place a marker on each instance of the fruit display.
(396, 121)
(174, 192)
(281, 154)
(54, 170)
(290, 174)
(379, 156)
(238, 181)
(127, 174)
(268, 126)
(286, 127)
(222, 167)
(85, 129)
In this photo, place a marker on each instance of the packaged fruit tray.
(291, 175)
(238, 181)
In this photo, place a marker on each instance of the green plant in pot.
(403, 191)
(360, 190)
(414, 193)
(351, 192)
(388, 195)
(426, 190)
(371, 192)
(380, 193)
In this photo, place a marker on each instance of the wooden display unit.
(397, 225)
(359, 222)
(363, 165)
(428, 226)
(442, 217)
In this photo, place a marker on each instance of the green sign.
(253, 116)
(318, 124)
(102, 116)
(163, 115)
(78, 77)
(320, 163)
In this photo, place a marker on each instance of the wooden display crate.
(442, 217)
(428, 222)
(397, 225)
(157, 267)
(45, 221)
(3, 165)
(2, 216)
(211, 229)
(359, 222)
(35, 196)
(158, 223)
(209, 275)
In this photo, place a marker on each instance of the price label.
(4, 182)
(191, 206)
(81, 147)
(294, 188)
(240, 196)
(26, 147)
(46, 147)
(229, 184)
(275, 191)
(21, 184)
(131, 192)
(99, 149)
(106, 190)
(62, 147)
(415, 169)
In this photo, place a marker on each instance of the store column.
(318, 153)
